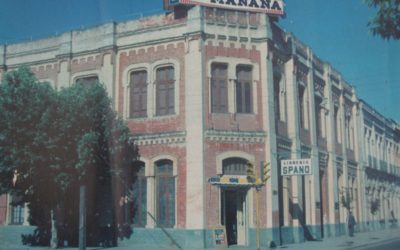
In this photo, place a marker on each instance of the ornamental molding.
(284, 144)
(319, 85)
(323, 160)
(235, 136)
(159, 138)
(306, 151)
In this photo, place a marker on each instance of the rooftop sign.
(273, 7)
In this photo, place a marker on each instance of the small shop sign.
(230, 180)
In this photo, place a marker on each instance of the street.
(389, 245)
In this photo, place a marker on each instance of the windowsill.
(249, 114)
(137, 118)
(159, 117)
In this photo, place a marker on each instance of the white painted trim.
(151, 69)
(50, 81)
(231, 154)
(232, 64)
(175, 175)
(84, 74)
(177, 74)
(126, 87)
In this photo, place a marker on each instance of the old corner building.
(206, 90)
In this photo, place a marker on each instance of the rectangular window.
(165, 91)
(17, 215)
(138, 94)
(244, 89)
(277, 106)
(301, 107)
(139, 199)
(219, 88)
(165, 194)
(318, 116)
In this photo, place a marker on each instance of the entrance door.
(234, 215)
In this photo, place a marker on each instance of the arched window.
(87, 80)
(138, 208)
(234, 166)
(165, 193)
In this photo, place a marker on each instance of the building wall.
(309, 112)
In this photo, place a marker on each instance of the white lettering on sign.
(274, 7)
(296, 167)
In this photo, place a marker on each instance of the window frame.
(168, 84)
(171, 176)
(221, 107)
(246, 91)
(232, 64)
(143, 113)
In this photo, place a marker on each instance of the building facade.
(205, 91)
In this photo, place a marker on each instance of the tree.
(386, 22)
(346, 200)
(374, 206)
(56, 142)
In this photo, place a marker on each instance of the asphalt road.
(389, 245)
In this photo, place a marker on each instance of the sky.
(336, 30)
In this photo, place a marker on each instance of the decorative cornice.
(284, 143)
(235, 136)
(323, 159)
(159, 138)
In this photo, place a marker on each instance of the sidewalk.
(340, 243)
(347, 242)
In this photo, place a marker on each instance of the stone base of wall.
(10, 236)
(186, 239)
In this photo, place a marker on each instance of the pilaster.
(194, 119)
(331, 144)
(314, 180)
(269, 124)
(293, 122)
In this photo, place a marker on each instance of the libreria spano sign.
(273, 7)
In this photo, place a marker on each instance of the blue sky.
(336, 30)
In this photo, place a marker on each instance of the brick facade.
(199, 142)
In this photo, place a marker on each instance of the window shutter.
(138, 94)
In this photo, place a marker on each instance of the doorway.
(234, 215)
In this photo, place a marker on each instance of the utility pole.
(257, 183)
(82, 217)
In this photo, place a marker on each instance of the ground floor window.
(17, 215)
(165, 193)
(138, 205)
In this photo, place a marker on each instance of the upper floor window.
(138, 94)
(338, 125)
(318, 116)
(303, 114)
(244, 89)
(279, 98)
(165, 91)
(219, 88)
(87, 80)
